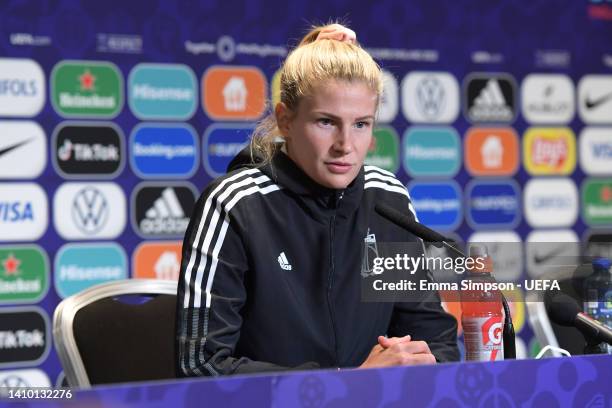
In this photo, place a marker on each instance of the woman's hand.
(398, 351)
(338, 32)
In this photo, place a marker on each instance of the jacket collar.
(287, 174)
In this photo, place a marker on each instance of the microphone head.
(407, 221)
(562, 309)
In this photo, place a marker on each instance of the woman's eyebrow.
(332, 116)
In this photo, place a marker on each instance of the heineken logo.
(384, 151)
(86, 89)
(24, 274)
(597, 201)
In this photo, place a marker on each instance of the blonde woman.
(270, 277)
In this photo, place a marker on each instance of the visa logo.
(602, 150)
(16, 211)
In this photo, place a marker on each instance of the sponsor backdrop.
(114, 116)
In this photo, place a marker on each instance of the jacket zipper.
(330, 278)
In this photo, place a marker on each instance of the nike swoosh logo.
(13, 147)
(538, 259)
(593, 103)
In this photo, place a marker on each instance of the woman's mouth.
(338, 167)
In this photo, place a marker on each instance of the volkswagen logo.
(13, 381)
(89, 210)
(430, 97)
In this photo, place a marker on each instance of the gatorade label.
(483, 338)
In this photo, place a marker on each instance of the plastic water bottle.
(482, 315)
(598, 295)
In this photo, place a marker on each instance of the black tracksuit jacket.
(271, 274)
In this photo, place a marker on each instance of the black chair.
(120, 331)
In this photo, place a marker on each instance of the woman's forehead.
(340, 95)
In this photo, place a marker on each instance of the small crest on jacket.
(370, 251)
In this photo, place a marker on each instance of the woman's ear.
(283, 119)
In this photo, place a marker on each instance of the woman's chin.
(336, 181)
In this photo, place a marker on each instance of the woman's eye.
(362, 124)
(325, 122)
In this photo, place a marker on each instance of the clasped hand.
(398, 351)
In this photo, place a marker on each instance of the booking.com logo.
(164, 151)
(437, 203)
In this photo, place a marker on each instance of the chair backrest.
(120, 331)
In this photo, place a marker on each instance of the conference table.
(580, 381)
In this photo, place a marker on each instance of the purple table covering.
(582, 381)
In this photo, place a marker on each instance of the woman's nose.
(342, 142)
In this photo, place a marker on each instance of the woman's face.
(329, 135)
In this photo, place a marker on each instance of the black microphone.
(564, 311)
(428, 235)
(409, 223)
